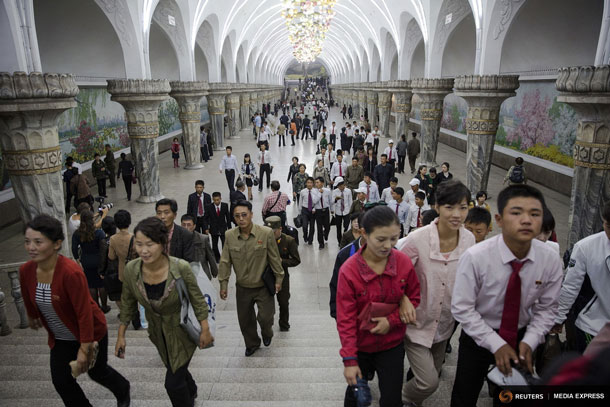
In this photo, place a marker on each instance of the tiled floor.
(301, 368)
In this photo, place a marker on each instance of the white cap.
(361, 191)
(390, 141)
(414, 181)
(338, 180)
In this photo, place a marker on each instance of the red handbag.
(374, 310)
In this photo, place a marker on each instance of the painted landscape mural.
(532, 122)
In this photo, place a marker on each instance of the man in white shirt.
(333, 133)
(372, 192)
(228, 164)
(322, 215)
(505, 294)
(309, 198)
(375, 134)
(323, 156)
(416, 209)
(386, 194)
(263, 137)
(401, 208)
(414, 184)
(339, 168)
(589, 258)
(391, 152)
(265, 167)
(368, 140)
(342, 202)
(332, 155)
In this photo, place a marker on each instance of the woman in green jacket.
(150, 280)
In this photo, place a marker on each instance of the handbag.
(134, 178)
(269, 280)
(298, 221)
(374, 310)
(255, 181)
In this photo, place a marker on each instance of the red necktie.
(397, 208)
(368, 192)
(340, 170)
(263, 158)
(390, 154)
(322, 199)
(342, 203)
(199, 207)
(217, 211)
(418, 217)
(512, 302)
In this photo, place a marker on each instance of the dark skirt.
(175, 155)
(93, 278)
(248, 181)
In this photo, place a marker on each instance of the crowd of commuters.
(413, 265)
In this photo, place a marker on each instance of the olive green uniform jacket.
(164, 330)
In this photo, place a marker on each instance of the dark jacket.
(291, 171)
(413, 147)
(235, 197)
(192, 205)
(289, 252)
(306, 123)
(217, 224)
(382, 175)
(96, 169)
(181, 245)
(204, 255)
(125, 169)
(369, 164)
(342, 257)
(110, 161)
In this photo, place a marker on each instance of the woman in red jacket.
(56, 296)
(375, 276)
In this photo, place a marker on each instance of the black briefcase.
(298, 221)
(269, 280)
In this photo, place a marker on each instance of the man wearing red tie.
(218, 220)
(338, 169)
(505, 295)
(333, 134)
(197, 202)
(391, 152)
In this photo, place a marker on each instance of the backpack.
(517, 175)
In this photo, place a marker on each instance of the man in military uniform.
(249, 248)
(289, 252)
(110, 165)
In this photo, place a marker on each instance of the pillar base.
(196, 166)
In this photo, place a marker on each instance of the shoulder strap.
(352, 249)
(276, 201)
(129, 254)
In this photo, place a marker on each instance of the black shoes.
(250, 351)
(321, 246)
(125, 401)
(284, 329)
(105, 309)
(266, 341)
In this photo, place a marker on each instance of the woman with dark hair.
(248, 172)
(294, 168)
(86, 248)
(445, 175)
(126, 171)
(298, 182)
(375, 280)
(370, 160)
(55, 295)
(548, 228)
(422, 172)
(435, 250)
(151, 281)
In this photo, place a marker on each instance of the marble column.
(232, 103)
(371, 104)
(484, 95)
(432, 93)
(141, 99)
(216, 108)
(188, 95)
(384, 104)
(29, 108)
(587, 90)
(253, 103)
(354, 100)
(361, 104)
(244, 103)
(402, 106)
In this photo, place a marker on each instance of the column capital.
(21, 92)
(219, 88)
(188, 88)
(486, 86)
(426, 85)
(400, 86)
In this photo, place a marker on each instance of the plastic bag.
(209, 294)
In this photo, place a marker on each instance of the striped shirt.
(43, 301)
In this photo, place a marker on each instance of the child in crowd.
(418, 207)
(480, 201)
(385, 276)
(516, 174)
(176, 151)
(548, 227)
(478, 222)
(435, 250)
(505, 295)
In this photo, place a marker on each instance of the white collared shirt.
(325, 199)
(228, 162)
(414, 212)
(334, 172)
(386, 195)
(410, 197)
(263, 136)
(315, 197)
(480, 288)
(394, 153)
(333, 129)
(267, 157)
(346, 197)
(373, 190)
(325, 160)
(402, 212)
(369, 139)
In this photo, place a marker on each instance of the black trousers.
(282, 300)
(292, 138)
(69, 196)
(333, 140)
(322, 217)
(265, 169)
(308, 225)
(200, 225)
(101, 186)
(205, 156)
(180, 386)
(376, 145)
(389, 366)
(307, 132)
(281, 139)
(401, 163)
(215, 245)
(127, 182)
(342, 223)
(68, 388)
(472, 367)
(412, 159)
(230, 175)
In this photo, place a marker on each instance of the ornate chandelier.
(307, 22)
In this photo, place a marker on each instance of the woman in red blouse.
(377, 275)
(56, 296)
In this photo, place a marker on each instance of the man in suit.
(197, 202)
(180, 243)
(236, 196)
(289, 252)
(218, 220)
(306, 128)
(202, 247)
